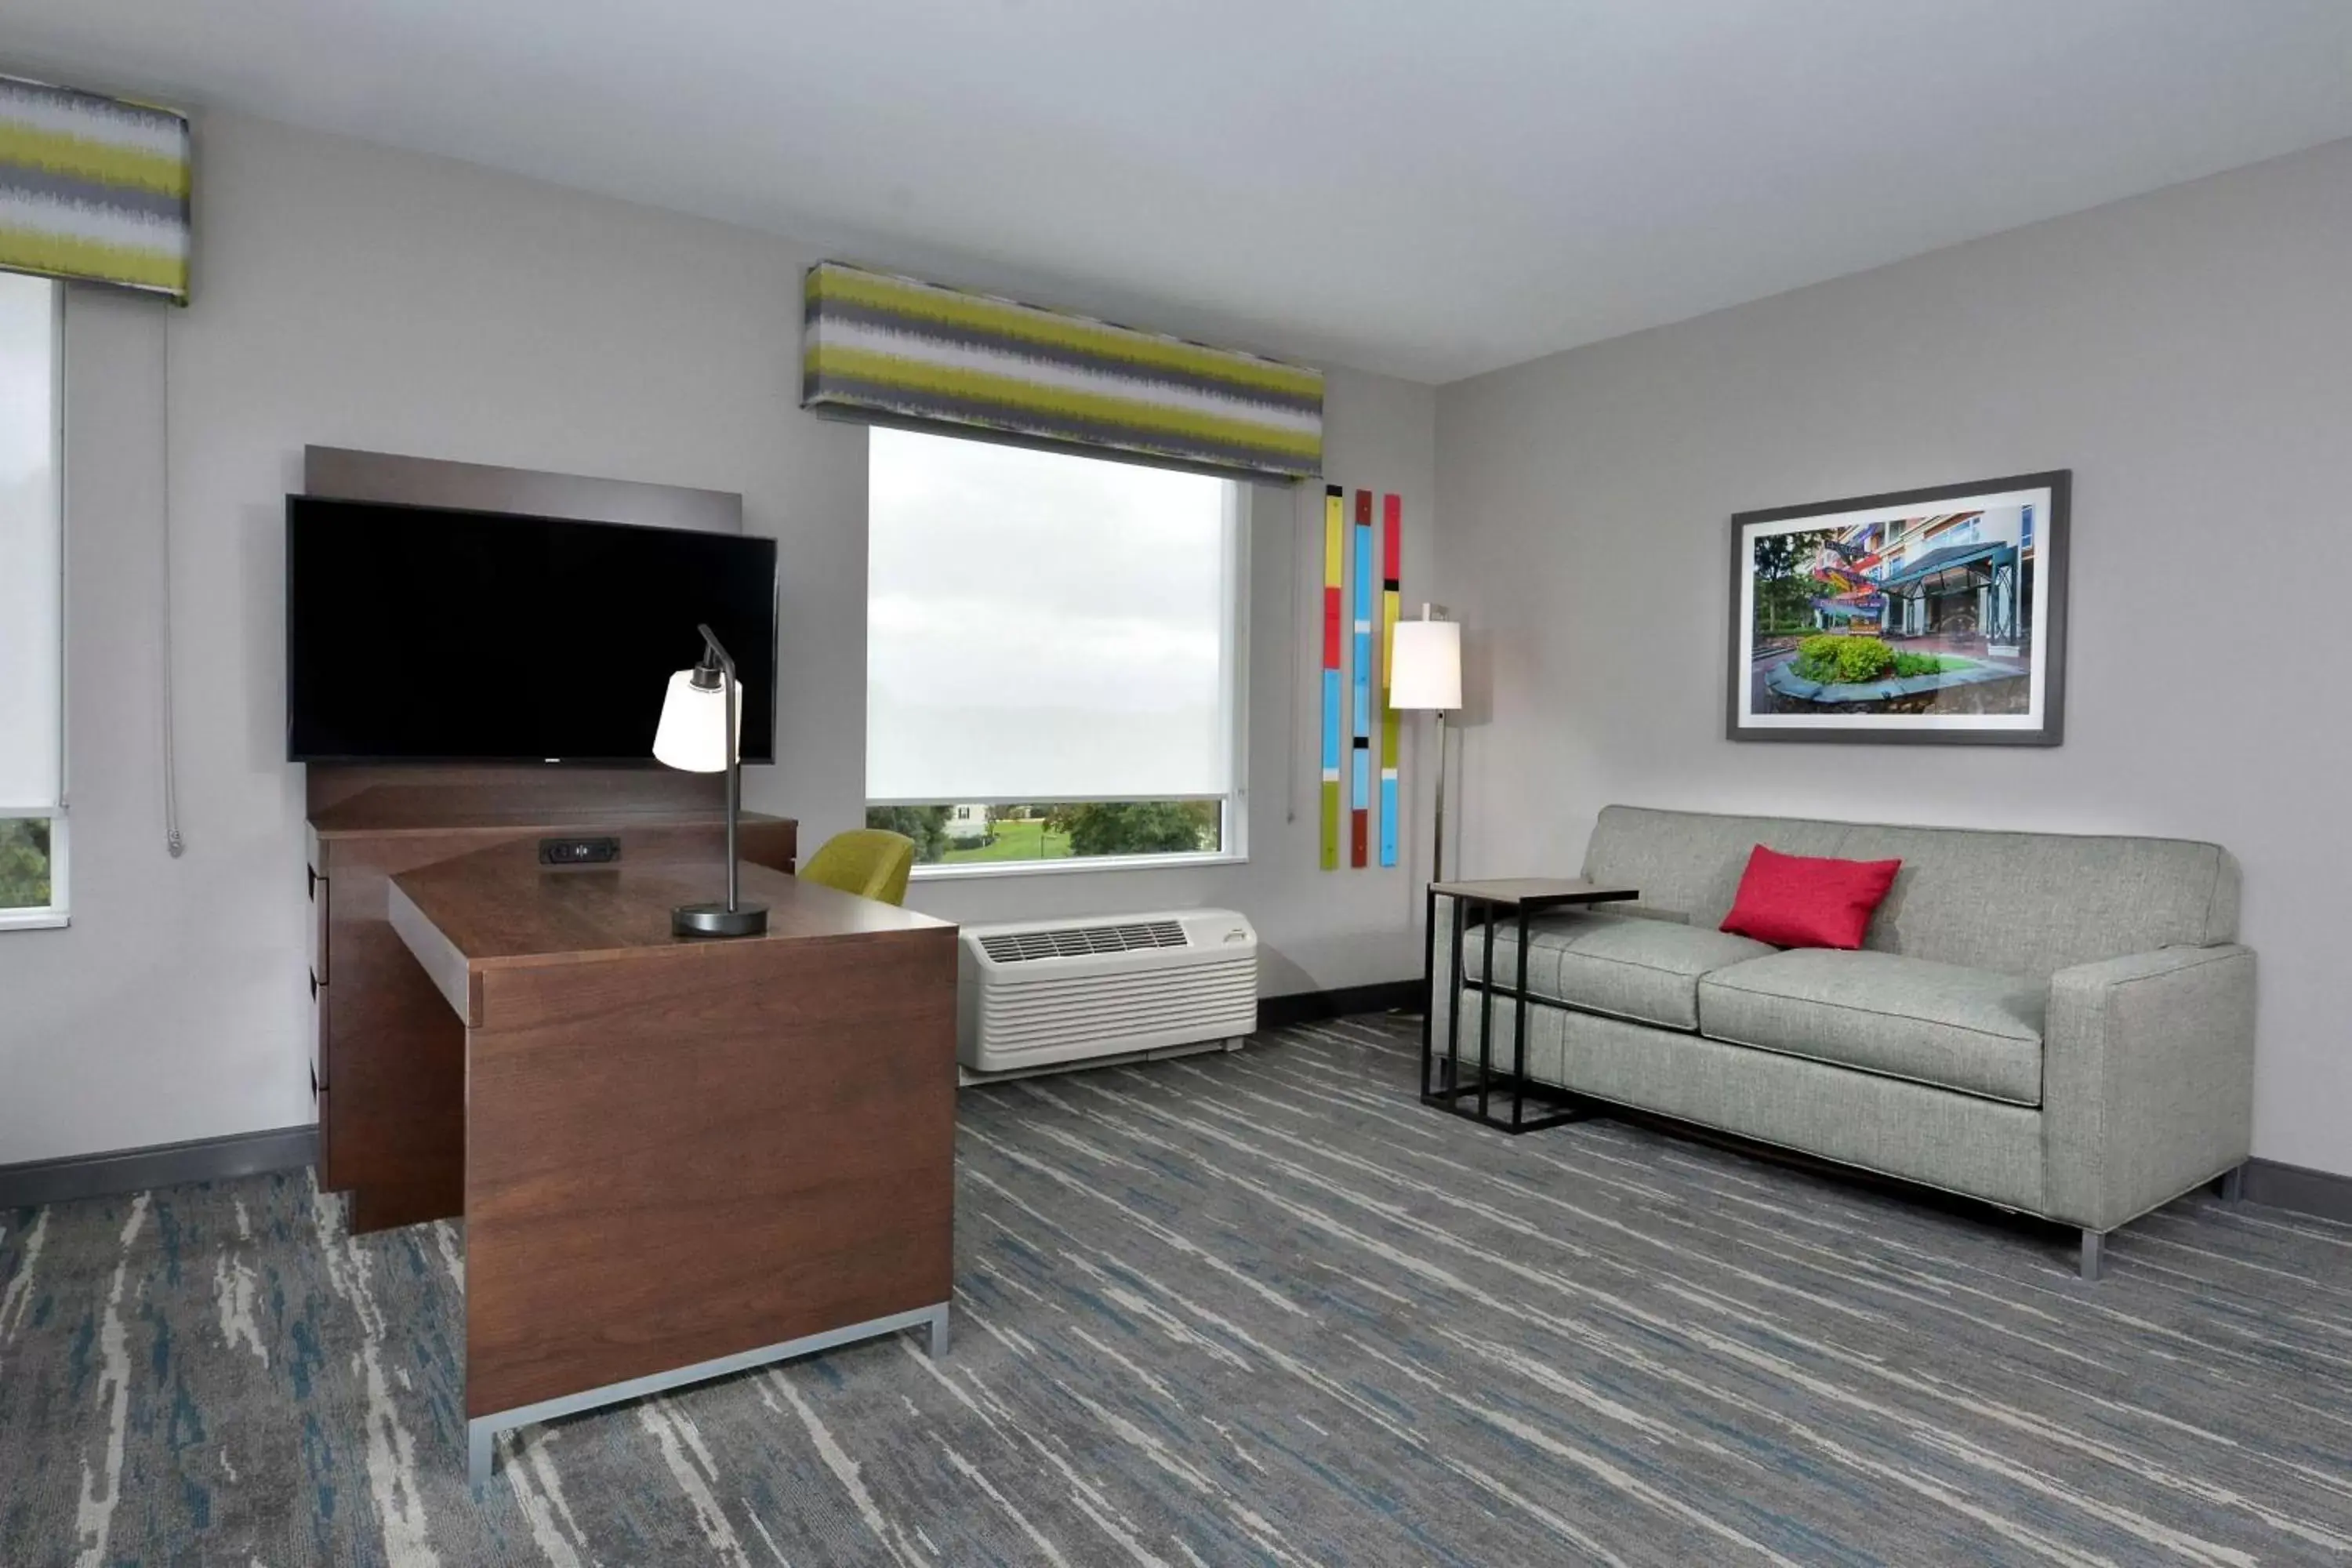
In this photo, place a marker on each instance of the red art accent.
(1807, 900)
(1331, 628)
(1358, 832)
(1391, 531)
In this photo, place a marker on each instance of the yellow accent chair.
(867, 861)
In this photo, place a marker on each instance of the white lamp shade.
(692, 736)
(1425, 665)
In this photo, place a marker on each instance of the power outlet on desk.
(579, 851)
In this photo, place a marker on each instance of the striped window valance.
(893, 348)
(93, 188)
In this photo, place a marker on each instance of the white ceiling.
(1425, 187)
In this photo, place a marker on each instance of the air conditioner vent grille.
(1080, 941)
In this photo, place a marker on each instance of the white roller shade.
(31, 549)
(1042, 626)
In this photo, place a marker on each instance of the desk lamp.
(1425, 675)
(701, 732)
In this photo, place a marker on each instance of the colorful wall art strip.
(1334, 539)
(1360, 613)
(1391, 562)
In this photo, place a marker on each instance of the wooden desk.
(388, 1074)
(683, 1158)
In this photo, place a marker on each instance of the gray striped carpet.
(1250, 1309)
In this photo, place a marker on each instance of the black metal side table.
(1498, 899)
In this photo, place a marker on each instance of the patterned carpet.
(1247, 1309)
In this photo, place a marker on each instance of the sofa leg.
(2233, 1184)
(2094, 1246)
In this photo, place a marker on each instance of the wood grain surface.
(498, 906)
(392, 1053)
(680, 1151)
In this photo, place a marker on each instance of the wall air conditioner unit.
(1034, 994)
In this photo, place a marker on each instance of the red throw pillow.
(1807, 900)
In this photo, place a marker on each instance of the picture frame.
(1933, 616)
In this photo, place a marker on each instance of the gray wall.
(2188, 355)
(351, 296)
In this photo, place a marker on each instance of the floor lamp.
(1425, 675)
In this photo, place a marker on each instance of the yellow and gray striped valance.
(93, 188)
(894, 348)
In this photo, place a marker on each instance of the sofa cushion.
(1807, 900)
(1974, 1030)
(1646, 970)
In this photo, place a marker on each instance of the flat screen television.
(422, 634)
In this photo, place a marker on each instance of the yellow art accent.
(1388, 715)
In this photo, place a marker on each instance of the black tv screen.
(417, 634)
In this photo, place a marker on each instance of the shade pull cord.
(173, 844)
(1290, 635)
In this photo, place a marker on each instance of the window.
(1053, 655)
(32, 610)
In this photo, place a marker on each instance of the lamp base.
(718, 919)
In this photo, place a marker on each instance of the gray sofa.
(2060, 1026)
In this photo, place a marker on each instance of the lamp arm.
(717, 650)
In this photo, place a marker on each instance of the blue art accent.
(1331, 720)
(1362, 673)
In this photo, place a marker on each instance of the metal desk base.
(481, 1432)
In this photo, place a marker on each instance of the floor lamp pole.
(1437, 852)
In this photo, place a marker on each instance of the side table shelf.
(1517, 899)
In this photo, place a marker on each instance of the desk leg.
(479, 1436)
(1454, 1009)
(1428, 984)
(939, 1332)
(1487, 1017)
(1519, 1034)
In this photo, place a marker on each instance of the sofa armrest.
(2148, 1080)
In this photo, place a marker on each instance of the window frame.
(57, 912)
(1233, 837)
(1232, 840)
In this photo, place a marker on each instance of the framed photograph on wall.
(1933, 615)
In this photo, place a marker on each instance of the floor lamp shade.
(692, 736)
(1425, 665)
